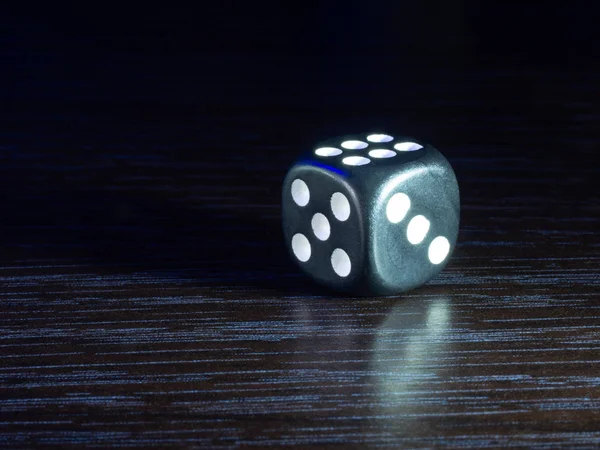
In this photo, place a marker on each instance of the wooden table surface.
(146, 297)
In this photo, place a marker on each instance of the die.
(371, 214)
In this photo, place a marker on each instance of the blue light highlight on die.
(327, 167)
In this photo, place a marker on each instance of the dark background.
(227, 58)
(146, 297)
(202, 84)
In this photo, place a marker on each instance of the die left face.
(323, 225)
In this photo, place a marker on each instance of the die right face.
(414, 223)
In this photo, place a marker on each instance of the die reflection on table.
(408, 359)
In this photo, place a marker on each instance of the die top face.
(323, 225)
(368, 151)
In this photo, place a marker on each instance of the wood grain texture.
(146, 299)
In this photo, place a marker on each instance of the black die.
(371, 214)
